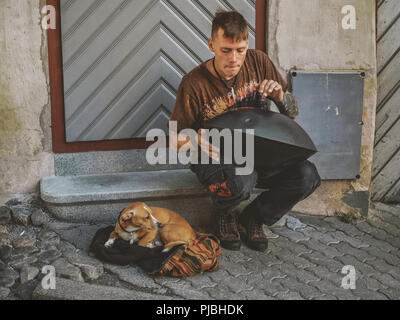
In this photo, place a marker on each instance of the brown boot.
(253, 232)
(227, 232)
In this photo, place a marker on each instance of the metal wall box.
(331, 112)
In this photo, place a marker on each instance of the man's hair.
(233, 24)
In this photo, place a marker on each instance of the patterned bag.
(198, 256)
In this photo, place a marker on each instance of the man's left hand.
(272, 89)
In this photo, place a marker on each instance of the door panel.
(123, 61)
(385, 171)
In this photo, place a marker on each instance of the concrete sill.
(120, 186)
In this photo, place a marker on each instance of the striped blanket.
(200, 255)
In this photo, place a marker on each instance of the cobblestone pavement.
(305, 261)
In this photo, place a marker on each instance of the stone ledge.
(120, 186)
(100, 198)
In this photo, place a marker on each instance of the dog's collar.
(159, 225)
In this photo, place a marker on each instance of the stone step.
(100, 198)
(100, 162)
(73, 290)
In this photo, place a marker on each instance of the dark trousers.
(285, 188)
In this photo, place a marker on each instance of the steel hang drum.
(278, 140)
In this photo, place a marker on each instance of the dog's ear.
(125, 217)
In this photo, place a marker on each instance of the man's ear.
(210, 45)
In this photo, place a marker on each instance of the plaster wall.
(308, 35)
(25, 143)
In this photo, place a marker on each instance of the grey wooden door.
(386, 167)
(123, 61)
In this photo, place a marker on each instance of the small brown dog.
(139, 222)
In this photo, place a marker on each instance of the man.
(239, 77)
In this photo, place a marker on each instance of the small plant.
(351, 217)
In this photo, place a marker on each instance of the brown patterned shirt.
(202, 96)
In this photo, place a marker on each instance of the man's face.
(229, 54)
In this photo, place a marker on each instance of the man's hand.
(205, 146)
(272, 89)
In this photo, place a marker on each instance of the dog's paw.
(150, 245)
(166, 250)
(109, 243)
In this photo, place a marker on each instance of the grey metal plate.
(331, 109)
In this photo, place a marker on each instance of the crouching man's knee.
(310, 178)
(242, 186)
(235, 189)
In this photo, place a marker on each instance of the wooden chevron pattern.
(386, 168)
(123, 61)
